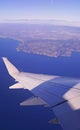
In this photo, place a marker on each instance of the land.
(44, 39)
(52, 48)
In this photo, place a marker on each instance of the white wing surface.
(60, 93)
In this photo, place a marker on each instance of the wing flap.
(33, 101)
(55, 93)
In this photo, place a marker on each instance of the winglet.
(10, 67)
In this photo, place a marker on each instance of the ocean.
(12, 115)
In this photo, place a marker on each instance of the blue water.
(14, 117)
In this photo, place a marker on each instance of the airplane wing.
(61, 94)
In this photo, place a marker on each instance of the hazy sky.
(40, 9)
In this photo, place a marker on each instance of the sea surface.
(12, 115)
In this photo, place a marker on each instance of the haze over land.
(45, 39)
(43, 27)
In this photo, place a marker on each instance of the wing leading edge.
(60, 93)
